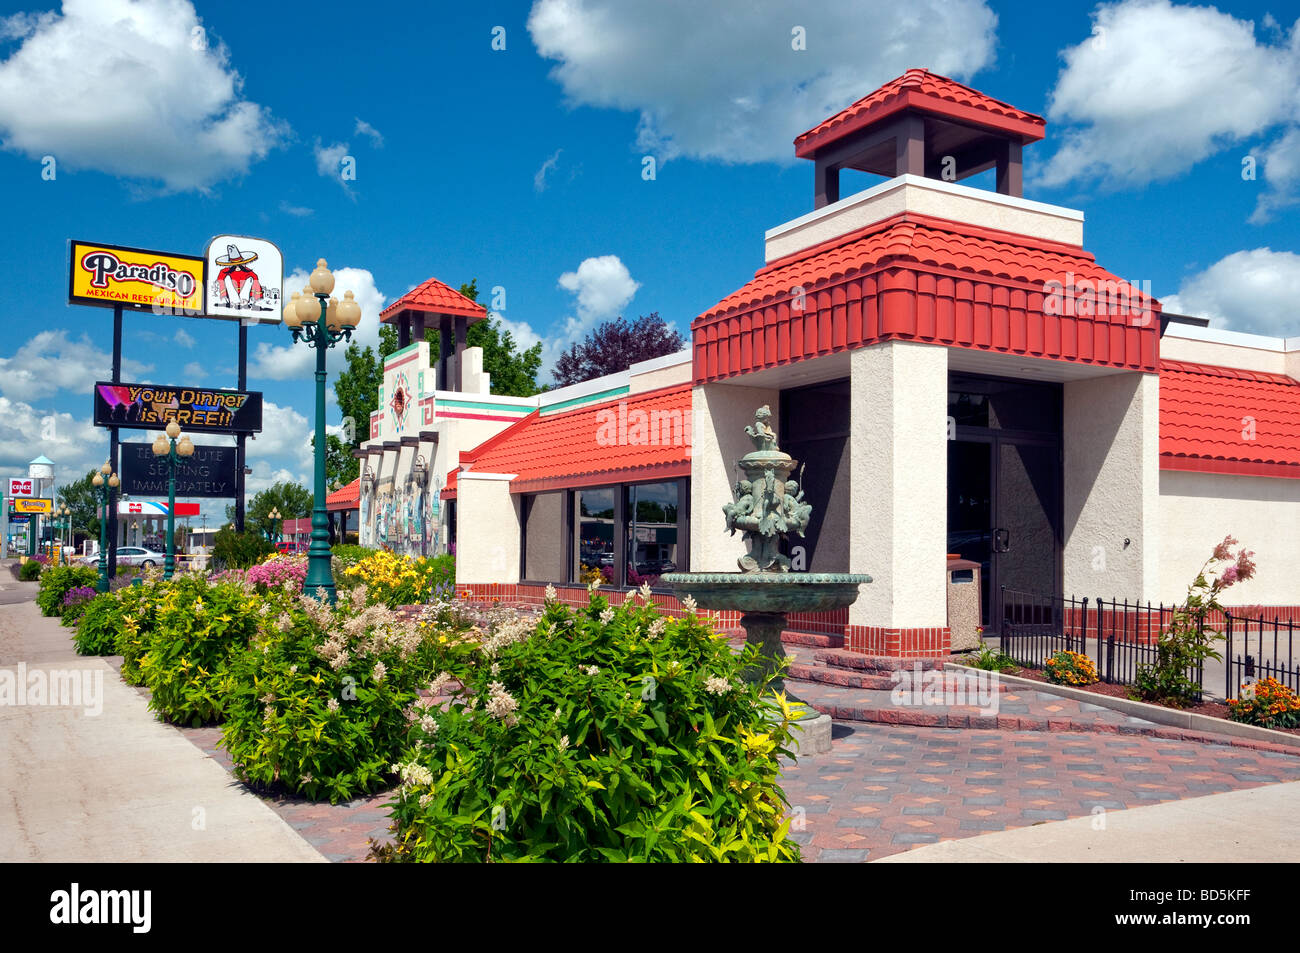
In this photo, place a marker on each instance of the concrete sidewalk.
(1251, 826)
(115, 786)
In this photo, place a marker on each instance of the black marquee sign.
(196, 409)
(210, 472)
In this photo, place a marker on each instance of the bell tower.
(920, 124)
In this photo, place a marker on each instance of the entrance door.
(1004, 488)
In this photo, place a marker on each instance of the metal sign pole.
(240, 440)
(113, 448)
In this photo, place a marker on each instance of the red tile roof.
(930, 92)
(641, 437)
(923, 240)
(345, 497)
(449, 491)
(434, 297)
(917, 277)
(1227, 420)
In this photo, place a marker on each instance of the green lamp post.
(321, 321)
(274, 522)
(105, 481)
(167, 445)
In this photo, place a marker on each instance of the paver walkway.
(115, 786)
(884, 789)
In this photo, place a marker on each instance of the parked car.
(289, 548)
(133, 556)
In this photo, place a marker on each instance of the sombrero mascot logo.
(237, 285)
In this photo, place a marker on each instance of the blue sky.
(171, 121)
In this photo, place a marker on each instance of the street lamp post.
(173, 451)
(105, 481)
(65, 531)
(275, 521)
(313, 316)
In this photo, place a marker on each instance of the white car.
(133, 556)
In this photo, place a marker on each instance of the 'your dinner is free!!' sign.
(151, 406)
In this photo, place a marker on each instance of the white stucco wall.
(1111, 486)
(720, 413)
(897, 522)
(910, 193)
(487, 548)
(1198, 509)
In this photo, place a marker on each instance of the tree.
(514, 373)
(614, 346)
(84, 502)
(293, 500)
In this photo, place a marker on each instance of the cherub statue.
(761, 432)
(739, 514)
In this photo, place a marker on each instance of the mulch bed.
(1212, 709)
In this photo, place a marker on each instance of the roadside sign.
(33, 506)
(21, 487)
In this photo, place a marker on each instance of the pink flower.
(1224, 550)
(1229, 576)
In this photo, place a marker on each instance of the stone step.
(846, 678)
(876, 706)
(856, 661)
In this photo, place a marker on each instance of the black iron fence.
(1257, 647)
(1121, 637)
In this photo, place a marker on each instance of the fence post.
(1227, 656)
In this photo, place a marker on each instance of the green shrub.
(99, 626)
(598, 734)
(196, 631)
(29, 571)
(992, 660)
(319, 701)
(232, 550)
(348, 554)
(55, 583)
(139, 616)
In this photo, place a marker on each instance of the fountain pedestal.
(768, 508)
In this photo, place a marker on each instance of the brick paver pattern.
(884, 789)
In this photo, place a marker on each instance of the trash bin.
(963, 602)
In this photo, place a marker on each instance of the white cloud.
(1281, 168)
(602, 286)
(722, 80)
(133, 88)
(75, 445)
(285, 434)
(194, 373)
(183, 338)
(297, 211)
(365, 129)
(1250, 290)
(329, 159)
(1159, 87)
(50, 362)
(539, 178)
(291, 361)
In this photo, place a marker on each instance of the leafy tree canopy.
(615, 345)
(293, 500)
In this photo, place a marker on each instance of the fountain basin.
(768, 592)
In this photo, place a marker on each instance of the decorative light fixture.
(105, 480)
(167, 445)
(321, 321)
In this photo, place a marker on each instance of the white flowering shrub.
(320, 703)
(604, 733)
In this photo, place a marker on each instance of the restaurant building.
(958, 372)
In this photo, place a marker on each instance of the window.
(621, 535)
(593, 528)
(651, 532)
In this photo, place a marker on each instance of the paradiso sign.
(111, 275)
(238, 279)
(33, 506)
(150, 406)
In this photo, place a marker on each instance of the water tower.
(41, 471)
